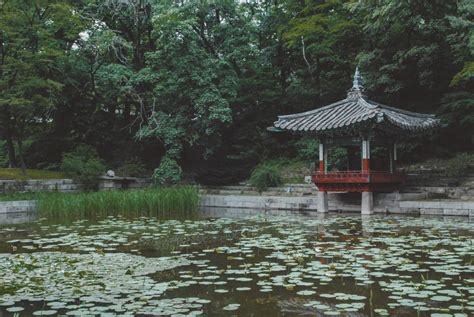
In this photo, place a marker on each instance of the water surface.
(252, 265)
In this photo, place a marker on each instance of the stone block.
(410, 204)
(323, 206)
(456, 212)
(367, 205)
(17, 206)
(430, 204)
(431, 211)
(468, 205)
(451, 204)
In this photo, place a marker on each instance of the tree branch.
(305, 59)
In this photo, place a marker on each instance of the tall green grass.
(164, 203)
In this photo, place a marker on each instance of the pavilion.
(357, 122)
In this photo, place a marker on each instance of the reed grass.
(18, 196)
(163, 202)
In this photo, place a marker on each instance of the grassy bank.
(15, 174)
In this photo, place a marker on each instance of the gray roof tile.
(350, 111)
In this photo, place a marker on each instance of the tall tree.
(33, 38)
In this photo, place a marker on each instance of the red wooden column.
(367, 205)
(365, 155)
(322, 157)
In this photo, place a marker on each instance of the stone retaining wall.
(439, 207)
(69, 185)
(383, 203)
(337, 202)
(17, 217)
(7, 207)
(40, 185)
(259, 202)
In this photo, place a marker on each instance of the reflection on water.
(16, 218)
(240, 262)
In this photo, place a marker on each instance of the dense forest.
(193, 85)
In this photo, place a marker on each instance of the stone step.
(413, 196)
(287, 190)
(259, 202)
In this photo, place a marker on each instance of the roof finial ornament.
(357, 85)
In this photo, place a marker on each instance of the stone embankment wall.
(303, 197)
(69, 185)
(17, 206)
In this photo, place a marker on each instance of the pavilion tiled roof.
(356, 112)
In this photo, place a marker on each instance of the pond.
(260, 265)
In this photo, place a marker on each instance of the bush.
(460, 165)
(308, 149)
(169, 172)
(264, 176)
(337, 159)
(83, 165)
(132, 168)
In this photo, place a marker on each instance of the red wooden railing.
(359, 176)
(358, 181)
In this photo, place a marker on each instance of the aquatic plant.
(163, 202)
(267, 266)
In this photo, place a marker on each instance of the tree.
(33, 38)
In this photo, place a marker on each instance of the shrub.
(132, 168)
(460, 164)
(83, 165)
(169, 172)
(264, 176)
(337, 158)
(308, 149)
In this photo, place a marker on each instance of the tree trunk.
(11, 151)
(10, 145)
(20, 156)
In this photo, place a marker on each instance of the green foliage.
(169, 172)
(16, 174)
(34, 39)
(83, 164)
(465, 74)
(165, 203)
(264, 176)
(337, 159)
(3, 154)
(460, 165)
(308, 149)
(292, 171)
(132, 168)
(198, 82)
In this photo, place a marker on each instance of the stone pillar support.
(367, 207)
(323, 205)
